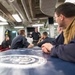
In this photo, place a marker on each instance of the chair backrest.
(3, 49)
(0, 47)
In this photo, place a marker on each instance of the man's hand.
(47, 47)
(31, 45)
(40, 40)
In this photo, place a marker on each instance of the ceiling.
(30, 11)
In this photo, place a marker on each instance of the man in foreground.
(65, 49)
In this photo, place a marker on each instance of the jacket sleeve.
(41, 43)
(65, 52)
(25, 43)
(48, 40)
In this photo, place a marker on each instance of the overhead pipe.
(6, 13)
(19, 10)
(26, 10)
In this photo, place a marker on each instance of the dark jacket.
(19, 42)
(36, 36)
(6, 44)
(59, 40)
(46, 40)
(64, 51)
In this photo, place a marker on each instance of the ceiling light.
(37, 25)
(2, 19)
(18, 27)
(17, 18)
(3, 23)
(55, 24)
(72, 1)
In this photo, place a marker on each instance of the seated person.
(59, 39)
(59, 29)
(6, 43)
(44, 39)
(20, 41)
(35, 35)
(65, 49)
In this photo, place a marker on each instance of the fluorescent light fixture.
(3, 23)
(37, 25)
(10, 0)
(13, 31)
(17, 18)
(18, 27)
(2, 19)
(72, 1)
(55, 24)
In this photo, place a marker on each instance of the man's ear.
(61, 17)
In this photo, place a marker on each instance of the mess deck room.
(37, 37)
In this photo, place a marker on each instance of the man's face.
(7, 38)
(36, 30)
(59, 20)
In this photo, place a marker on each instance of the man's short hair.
(45, 33)
(66, 9)
(21, 32)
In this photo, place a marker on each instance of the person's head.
(59, 29)
(63, 12)
(21, 32)
(44, 35)
(6, 38)
(36, 29)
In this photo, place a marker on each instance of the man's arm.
(27, 44)
(30, 46)
(65, 52)
(40, 43)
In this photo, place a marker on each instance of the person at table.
(44, 39)
(20, 41)
(6, 43)
(65, 17)
(58, 40)
(59, 30)
(35, 35)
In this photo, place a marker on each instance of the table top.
(53, 66)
